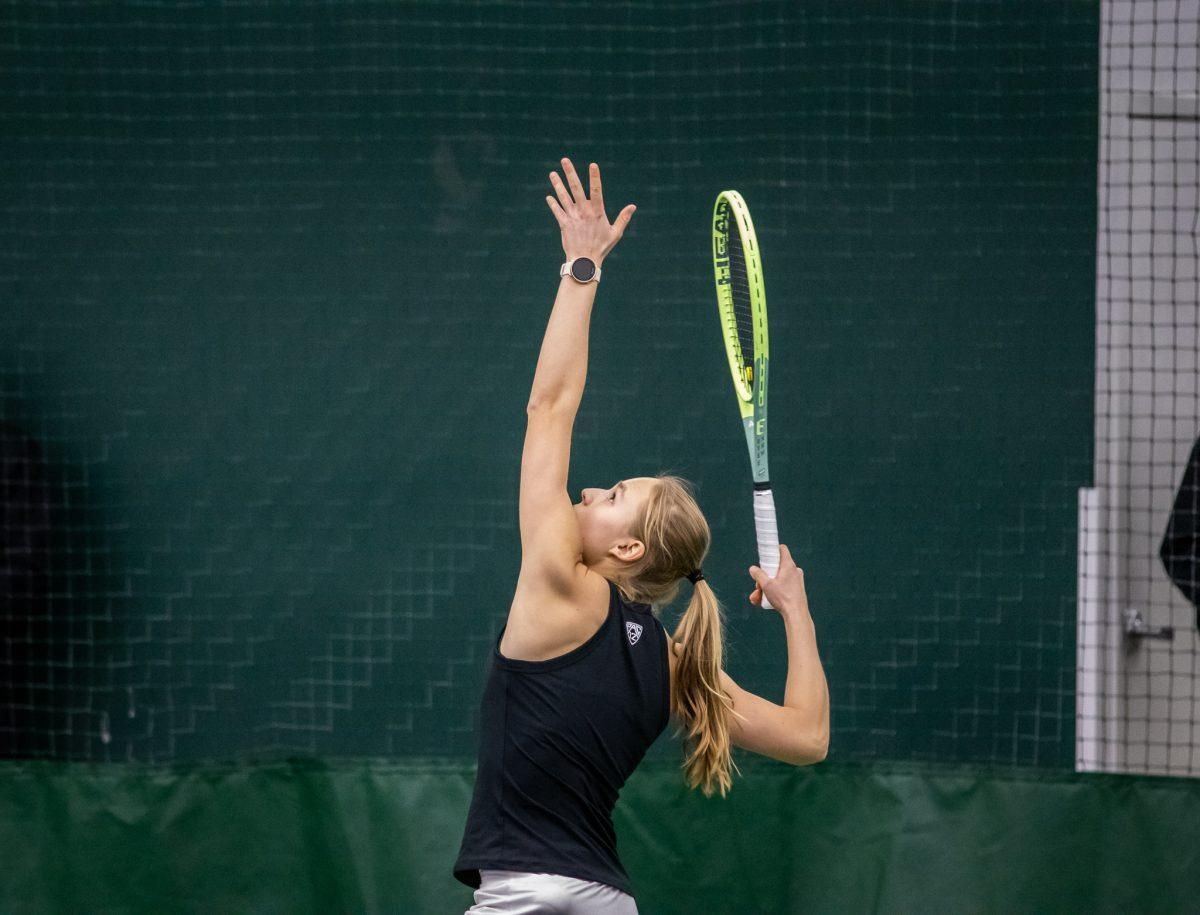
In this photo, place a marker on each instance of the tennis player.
(583, 676)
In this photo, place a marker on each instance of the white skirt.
(521, 893)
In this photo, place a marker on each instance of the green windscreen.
(273, 282)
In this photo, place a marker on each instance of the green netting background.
(273, 278)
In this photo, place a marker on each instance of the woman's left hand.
(585, 229)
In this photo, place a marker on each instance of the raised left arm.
(550, 539)
(561, 371)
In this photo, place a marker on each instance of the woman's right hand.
(786, 590)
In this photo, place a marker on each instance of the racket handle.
(768, 536)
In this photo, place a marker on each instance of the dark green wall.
(273, 284)
(379, 837)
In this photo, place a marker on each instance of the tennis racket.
(742, 305)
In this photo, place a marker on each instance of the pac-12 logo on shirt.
(634, 631)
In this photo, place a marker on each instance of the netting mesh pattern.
(1139, 692)
(273, 277)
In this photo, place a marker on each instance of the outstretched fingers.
(573, 180)
(623, 219)
(597, 197)
(564, 198)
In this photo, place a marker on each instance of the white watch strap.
(565, 270)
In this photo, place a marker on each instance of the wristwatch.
(581, 269)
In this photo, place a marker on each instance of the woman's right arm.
(778, 731)
(768, 727)
(796, 732)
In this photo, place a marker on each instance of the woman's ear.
(630, 550)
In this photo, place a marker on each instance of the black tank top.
(558, 739)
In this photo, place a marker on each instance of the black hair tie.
(696, 576)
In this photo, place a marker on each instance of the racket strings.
(739, 285)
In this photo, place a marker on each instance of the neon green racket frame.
(748, 369)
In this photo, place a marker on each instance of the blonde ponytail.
(677, 539)
(697, 698)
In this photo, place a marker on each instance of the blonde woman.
(583, 676)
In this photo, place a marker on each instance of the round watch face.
(583, 269)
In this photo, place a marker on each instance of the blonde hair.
(677, 539)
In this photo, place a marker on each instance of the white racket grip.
(768, 536)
